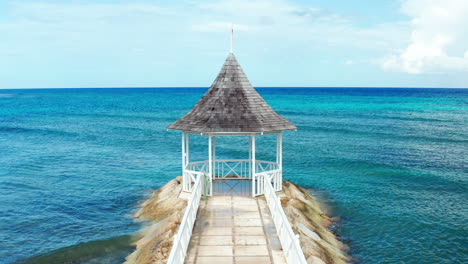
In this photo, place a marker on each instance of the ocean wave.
(135, 117)
(7, 96)
(367, 116)
(19, 185)
(383, 135)
(44, 131)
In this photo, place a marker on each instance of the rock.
(315, 260)
(163, 211)
(308, 232)
(318, 243)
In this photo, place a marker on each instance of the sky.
(179, 43)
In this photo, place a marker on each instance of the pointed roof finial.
(232, 38)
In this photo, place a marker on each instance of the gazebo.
(232, 107)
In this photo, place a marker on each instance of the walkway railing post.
(206, 186)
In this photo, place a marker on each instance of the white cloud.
(297, 25)
(106, 40)
(80, 25)
(439, 38)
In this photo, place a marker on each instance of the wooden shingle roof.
(232, 105)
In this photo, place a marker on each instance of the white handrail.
(182, 238)
(289, 241)
(275, 177)
(223, 168)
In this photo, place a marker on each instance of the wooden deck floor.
(234, 230)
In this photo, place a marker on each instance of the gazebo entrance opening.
(223, 176)
(232, 187)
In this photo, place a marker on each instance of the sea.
(389, 164)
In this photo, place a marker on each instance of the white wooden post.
(279, 161)
(184, 179)
(187, 149)
(250, 157)
(183, 153)
(210, 160)
(214, 156)
(252, 150)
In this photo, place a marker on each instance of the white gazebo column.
(183, 152)
(186, 182)
(249, 170)
(187, 149)
(279, 161)
(210, 162)
(214, 157)
(252, 162)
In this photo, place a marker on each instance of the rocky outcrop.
(163, 211)
(318, 243)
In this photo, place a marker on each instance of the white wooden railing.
(189, 179)
(182, 238)
(289, 241)
(231, 168)
(267, 181)
(235, 169)
(258, 185)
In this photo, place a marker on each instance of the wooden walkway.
(234, 230)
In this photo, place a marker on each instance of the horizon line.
(207, 87)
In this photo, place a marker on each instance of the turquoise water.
(391, 163)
